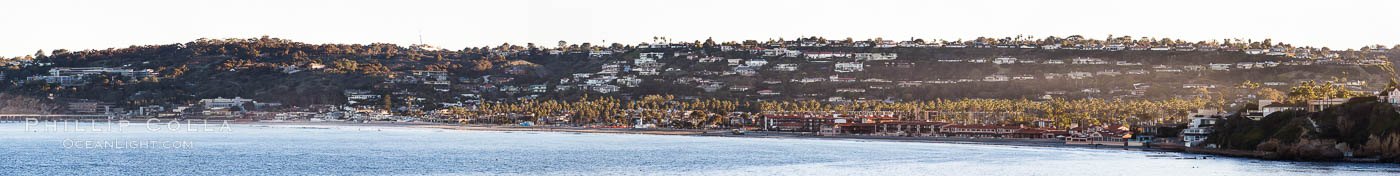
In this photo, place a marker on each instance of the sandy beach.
(718, 133)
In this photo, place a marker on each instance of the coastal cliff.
(1360, 129)
(20, 104)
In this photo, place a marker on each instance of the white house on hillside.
(845, 67)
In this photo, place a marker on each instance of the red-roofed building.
(795, 122)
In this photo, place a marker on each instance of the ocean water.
(242, 149)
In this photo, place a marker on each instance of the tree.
(345, 65)
(388, 103)
(1271, 94)
(709, 43)
(481, 65)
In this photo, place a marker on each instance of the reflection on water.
(359, 150)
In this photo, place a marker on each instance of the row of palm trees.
(699, 113)
(1060, 112)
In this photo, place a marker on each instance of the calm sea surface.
(243, 149)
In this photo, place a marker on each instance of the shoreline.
(1046, 143)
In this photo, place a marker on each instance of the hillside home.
(643, 61)
(1197, 86)
(995, 78)
(909, 84)
(745, 70)
(846, 67)
(850, 90)
(740, 88)
(1220, 67)
(1088, 61)
(599, 54)
(1079, 75)
(651, 55)
(1277, 51)
(876, 56)
(709, 59)
(734, 62)
(756, 62)
(1108, 73)
(629, 81)
(1256, 51)
(539, 88)
(1319, 105)
(768, 92)
(610, 69)
(1115, 47)
(604, 88)
(1091, 90)
(1194, 68)
(1185, 48)
(825, 55)
(1004, 60)
(785, 67)
(1267, 107)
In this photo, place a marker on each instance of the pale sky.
(29, 25)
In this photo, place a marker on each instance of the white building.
(223, 103)
(826, 55)
(995, 78)
(1256, 51)
(1202, 124)
(784, 52)
(756, 62)
(785, 67)
(876, 56)
(845, 67)
(651, 55)
(1220, 67)
(1004, 60)
(1088, 61)
(1079, 75)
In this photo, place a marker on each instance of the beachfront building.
(1319, 105)
(221, 103)
(796, 123)
(1202, 124)
(978, 131)
(909, 128)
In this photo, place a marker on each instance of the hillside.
(300, 74)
